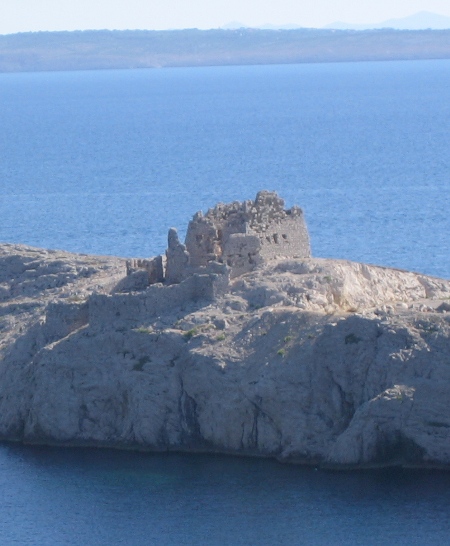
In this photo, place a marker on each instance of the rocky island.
(237, 341)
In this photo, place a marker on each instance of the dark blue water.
(105, 162)
(80, 497)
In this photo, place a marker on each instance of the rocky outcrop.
(308, 360)
(32, 279)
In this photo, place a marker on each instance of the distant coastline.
(104, 49)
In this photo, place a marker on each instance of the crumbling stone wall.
(243, 235)
(132, 310)
(242, 253)
(228, 241)
(141, 274)
(177, 259)
(154, 268)
(240, 236)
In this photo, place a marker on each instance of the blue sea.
(105, 162)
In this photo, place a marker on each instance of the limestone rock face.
(307, 360)
(32, 278)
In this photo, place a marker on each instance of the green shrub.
(190, 333)
(143, 330)
(352, 338)
(140, 363)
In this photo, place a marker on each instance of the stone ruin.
(230, 239)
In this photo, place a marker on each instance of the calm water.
(81, 497)
(105, 162)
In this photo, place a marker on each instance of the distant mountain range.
(418, 21)
(236, 25)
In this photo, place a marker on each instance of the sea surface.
(105, 162)
(51, 496)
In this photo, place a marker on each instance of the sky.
(35, 15)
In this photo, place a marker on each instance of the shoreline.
(317, 465)
(103, 50)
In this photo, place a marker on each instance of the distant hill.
(418, 21)
(90, 50)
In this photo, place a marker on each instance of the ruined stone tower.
(240, 236)
(228, 240)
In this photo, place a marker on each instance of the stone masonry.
(245, 235)
(232, 239)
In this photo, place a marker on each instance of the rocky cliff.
(303, 359)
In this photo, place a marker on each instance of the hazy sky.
(32, 15)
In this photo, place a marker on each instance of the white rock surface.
(316, 361)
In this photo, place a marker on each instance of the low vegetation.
(93, 50)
